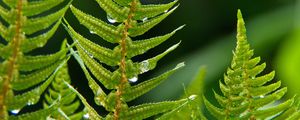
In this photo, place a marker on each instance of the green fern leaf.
(31, 97)
(37, 115)
(108, 32)
(193, 109)
(292, 113)
(139, 47)
(39, 41)
(146, 110)
(20, 70)
(36, 24)
(128, 14)
(69, 105)
(26, 81)
(91, 112)
(108, 56)
(142, 88)
(141, 28)
(144, 12)
(246, 93)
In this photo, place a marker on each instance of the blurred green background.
(208, 39)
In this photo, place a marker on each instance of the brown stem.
(12, 63)
(120, 87)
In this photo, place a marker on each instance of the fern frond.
(193, 109)
(91, 112)
(147, 110)
(130, 15)
(60, 89)
(245, 92)
(40, 114)
(27, 26)
(292, 113)
(31, 97)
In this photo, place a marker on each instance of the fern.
(70, 105)
(129, 15)
(245, 93)
(20, 71)
(193, 110)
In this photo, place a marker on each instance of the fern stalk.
(12, 63)
(123, 81)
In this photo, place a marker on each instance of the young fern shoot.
(244, 92)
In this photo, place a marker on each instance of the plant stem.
(12, 63)
(124, 78)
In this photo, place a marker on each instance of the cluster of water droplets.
(33, 100)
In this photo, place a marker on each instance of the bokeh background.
(207, 40)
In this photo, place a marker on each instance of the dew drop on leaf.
(133, 80)
(91, 55)
(192, 97)
(92, 32)
(86, 116)
(110, 19)
(144, 66)
(31, 101)
(50, 118)
(145, 19)
(261, 96)
(15, 112)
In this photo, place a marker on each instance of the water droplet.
(134, 79)
(192, 97)
(50, 118)
(261, 96)
(144, 66)
(145, 19)
(30, 103)
(86, 116)
(92, 32)
(110, 19)
(253, 77)
(91, 55)
(15, 112)
(166, 11)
